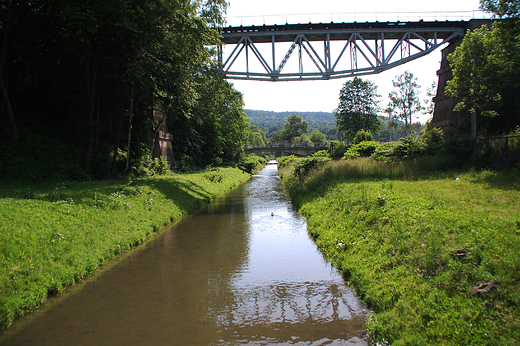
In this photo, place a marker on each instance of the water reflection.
(231, 274)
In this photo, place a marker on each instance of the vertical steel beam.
(274, 60)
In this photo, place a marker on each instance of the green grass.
(395, 232)
(52, 236)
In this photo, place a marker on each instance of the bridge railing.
(323, 145)
(348, 17)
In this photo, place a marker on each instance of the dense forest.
(80, 81)
(270, 121)
(325, 122)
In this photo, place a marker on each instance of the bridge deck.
(340, 31)
(349, 49)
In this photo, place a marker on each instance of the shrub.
(285, 160)
(433, 139)
(410, 146)
(251, 163)
(160, 166)
(213, 175)
(384, 151)
(362, 136)
(303, 166)
(363, 149)
(337, 150)
(146, 167)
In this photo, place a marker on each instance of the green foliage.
(270, 121)
(305, 165)
(414, 248)
(502, 8)
(317, 136)
(433, 139)
(404, 100)
(213, 174)
(145, 166)
(485, 76)
(336, 150)
(54, 235)
(102, 68)
(285, 160)
(385, 151)
(362, 136)
(363, 149)
(294, 128)
(256, 136)
(252, 163)
(410, 146)
(357, 109)
(301, 139)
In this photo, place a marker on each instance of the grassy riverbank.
(53, 235)
(415, 247)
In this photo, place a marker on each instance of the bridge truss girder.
(359, 49)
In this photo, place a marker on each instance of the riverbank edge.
(418, 268)
(55, 235)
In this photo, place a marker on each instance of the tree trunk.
(128, 150)
(93, 65)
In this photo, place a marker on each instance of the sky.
(323, 95)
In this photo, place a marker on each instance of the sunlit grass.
(52, 236)
(395, 232)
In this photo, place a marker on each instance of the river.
(242, 270)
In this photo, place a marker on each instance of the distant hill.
(324, 122)
(270, 121)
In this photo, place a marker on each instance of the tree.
(404, 101)
(357, 109)
(431, 91)
(256, 136)
(317, 136)
(294, 127)
(87, 74)
(486, 76)
(502, 8)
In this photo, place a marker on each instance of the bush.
(410, 146)
(285, 160)
(160, 166)
(251, 163)
(384, 151)
(433, 139)
(213, 175)
(303, 166)
(146, 167)
(362, 136)
(363, 149)
(337, 150)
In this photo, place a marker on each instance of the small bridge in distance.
(298, 149)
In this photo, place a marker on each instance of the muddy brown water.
(240, 271)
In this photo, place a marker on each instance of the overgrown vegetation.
(252, 163)
(434, 255)
(429, 243)
(53, 235)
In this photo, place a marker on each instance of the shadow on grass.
(185, 193)
(507, 180)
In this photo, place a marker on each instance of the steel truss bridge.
(330, 50)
